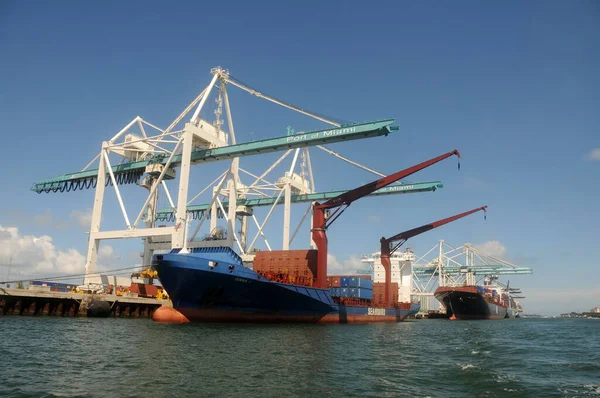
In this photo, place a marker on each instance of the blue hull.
(213, 285)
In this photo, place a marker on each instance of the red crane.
(398, 240)
(322, 221)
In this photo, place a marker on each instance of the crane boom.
(197, 211)
(128, 173)
(406, 235)
(321, 222)
(354, 194)
(387, 251)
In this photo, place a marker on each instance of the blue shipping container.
(355, 281)
(361, 282)
(67, 287)
(353, 292)
(358, 292)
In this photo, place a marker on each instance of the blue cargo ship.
(213, 285)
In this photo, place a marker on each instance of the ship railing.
(455, 284)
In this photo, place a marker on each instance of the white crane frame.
(167, 144)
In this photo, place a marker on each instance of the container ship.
(478, 302)
(213, 284)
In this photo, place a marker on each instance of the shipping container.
(379, 292)
(54, 286)
(333, 281)
(358, 292)
(291, 262)
(351, 292)
(143, 289)
(356, 281)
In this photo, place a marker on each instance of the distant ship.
(478, 302)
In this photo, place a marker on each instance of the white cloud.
(106, 251)
(83, 218)
(347, 267)
(492, 248)
(70, 261)
(31, 254)
(594, 154)
(107, 254)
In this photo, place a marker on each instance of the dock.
(41, 302)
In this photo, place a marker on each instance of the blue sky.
(514, 86)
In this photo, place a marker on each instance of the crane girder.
(476, 270)
(130, 172)
(404, 188)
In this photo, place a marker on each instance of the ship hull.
(467, 303)
(229, 292)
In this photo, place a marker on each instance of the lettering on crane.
(375, 311)
(322, 134)
(345, 130)
(400, 187)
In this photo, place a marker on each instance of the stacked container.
(351, 286)
(333, 281)
(287, 266)
(379, 293)
(358, 292)
(355, 281)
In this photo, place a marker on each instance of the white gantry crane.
(160, 160)
(443, 265)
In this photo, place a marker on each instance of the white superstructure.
(401, 263)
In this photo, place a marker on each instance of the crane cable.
(258, 93)
(50, 278)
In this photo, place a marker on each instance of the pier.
(38, 302)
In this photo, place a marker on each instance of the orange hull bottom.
(172, 315)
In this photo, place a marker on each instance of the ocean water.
(49, 357)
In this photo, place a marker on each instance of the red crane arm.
(404, 236)
(322, 221)
(350, 196)
(386, 250)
